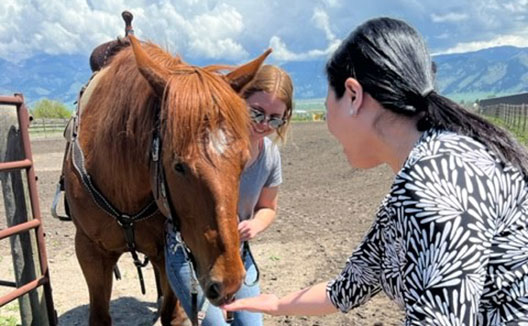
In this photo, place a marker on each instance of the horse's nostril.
(214, 291)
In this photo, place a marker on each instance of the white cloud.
(516, 6)
(320, 18)
(520, 40)
(443, 36)
(212, 33)
(233, 30)
(332, 3)
(451, 17)
(218, 49)
(67, 27)
(281, 52)
(195, 31)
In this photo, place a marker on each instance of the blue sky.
(237, 30)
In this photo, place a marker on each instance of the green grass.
(474, 96)
(311, 105)
(8, 321)
(9, 314)
(522, 136)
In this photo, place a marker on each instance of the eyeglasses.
(258, 116)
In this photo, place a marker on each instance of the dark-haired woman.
(450, 241)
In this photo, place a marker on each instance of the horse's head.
(204, 132)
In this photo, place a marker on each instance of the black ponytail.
(391, 62)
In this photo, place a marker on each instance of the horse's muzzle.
(216, 295)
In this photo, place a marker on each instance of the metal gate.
(33, 223)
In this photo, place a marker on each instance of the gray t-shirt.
(264, 172)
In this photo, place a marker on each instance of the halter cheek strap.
(161, 192)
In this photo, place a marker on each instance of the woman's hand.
(264, 215)
(265, 303)
(249, 229)
(310, 301)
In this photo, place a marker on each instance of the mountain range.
(462, 76)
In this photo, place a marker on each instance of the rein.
(125, 220)
(160, 192)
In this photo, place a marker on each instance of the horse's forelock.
(197, 104)
(197, 101)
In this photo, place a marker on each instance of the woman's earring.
(352, 112)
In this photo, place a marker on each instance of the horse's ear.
(153, 73)
(241, 76)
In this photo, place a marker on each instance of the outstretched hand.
(265, 303)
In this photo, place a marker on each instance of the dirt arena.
(324, 209)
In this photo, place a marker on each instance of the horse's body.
(203, 124)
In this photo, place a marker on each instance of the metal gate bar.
(36, 222)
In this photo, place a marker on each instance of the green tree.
(47, 108)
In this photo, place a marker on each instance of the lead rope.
(197, 317)
(247, 251)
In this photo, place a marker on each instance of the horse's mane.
(195, 100)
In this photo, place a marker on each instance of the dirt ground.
(324, 209)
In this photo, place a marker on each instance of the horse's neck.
(122, 178)
(124, 182)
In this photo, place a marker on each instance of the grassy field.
(311, 105)
(521, 135)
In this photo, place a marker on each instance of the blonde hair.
(275, 81)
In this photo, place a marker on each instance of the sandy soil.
(325, 207)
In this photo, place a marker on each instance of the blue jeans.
(179, 275)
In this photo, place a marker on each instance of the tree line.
(46, 108)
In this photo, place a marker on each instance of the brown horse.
(203, 124)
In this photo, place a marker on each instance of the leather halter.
(161, 192)
(161, 201)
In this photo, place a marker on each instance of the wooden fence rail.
(46, 127)
(514, 116)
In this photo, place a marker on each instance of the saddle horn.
(102, 54)
(127, 17)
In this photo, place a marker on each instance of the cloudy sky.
(236, 30)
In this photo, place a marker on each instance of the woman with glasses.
(449, 242)
(269, 100)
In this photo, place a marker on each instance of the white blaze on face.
(218, 141)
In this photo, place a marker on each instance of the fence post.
(514, 115)
(517, 116)
(32, 305)
(520, 116)
(510, 115)
(525, 111)
(44, 126)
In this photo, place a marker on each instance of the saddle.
(99, 58)
(103, 52)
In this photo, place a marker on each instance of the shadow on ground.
(125, 311)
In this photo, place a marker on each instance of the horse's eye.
(179, 167)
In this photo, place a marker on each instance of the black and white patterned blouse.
(450, 241)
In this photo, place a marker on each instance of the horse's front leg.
(171, 312)
(97, 267)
